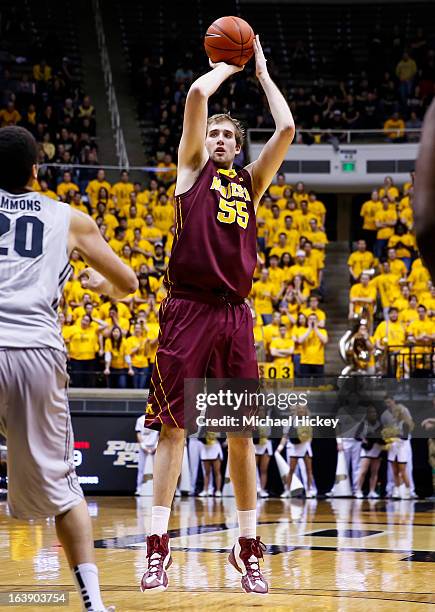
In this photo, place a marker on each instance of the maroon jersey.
(214, 246)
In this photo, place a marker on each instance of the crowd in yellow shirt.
(391, 288)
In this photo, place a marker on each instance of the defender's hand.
(260, 60)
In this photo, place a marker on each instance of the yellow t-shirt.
(368, 213)
(118, 354)
(139, 359)
(270, 332)
(83, 343)
(391, 191)
(387, 285)
(407, 239)
(152, 233)
(418, 328)
(321, 316)
(389, 333)
(121, 193)
(407, 217)
(359, 291)
(292, 239)
(297, 332)
(419, 278)
(398, 268)
(384, 216)
(64, 188)
(163, 217)
(283, 343)
(123, 310)
(262, 294)
(360, 261)
(312, 349)
(93, 189)
(317, 208)
(49, 194)
(277, 191)
(116, 245)
(152, 334)
(407, 316)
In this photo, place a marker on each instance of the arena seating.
(340, 44)
(40, 68)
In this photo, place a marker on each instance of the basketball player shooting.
(205, 324)
(37, 236)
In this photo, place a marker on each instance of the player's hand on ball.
(92, 280)
(260, 60)
(233, 68)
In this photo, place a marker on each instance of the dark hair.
(116, 343)
(18, 153)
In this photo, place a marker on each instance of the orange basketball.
(230, 40)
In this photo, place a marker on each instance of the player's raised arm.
(424, 200)
(271, 157)
(110, 275)
(192, 154)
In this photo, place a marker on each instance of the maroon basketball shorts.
(197, 341)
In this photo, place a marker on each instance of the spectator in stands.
(66, 185)
(313, 343)
(313, 308)
(281, 351)
(370, 112)
(413, 123)
(263, 296)
(387, 286)
(83, 346)
(368, 213)
(406, 70)
(385, 220)
(389, 188)
(136, 346)
(9, 115)
(351, 114)
(397, 266)
(117, 360)
(121, 191)
(362, 299)
(170, 174)
(42, 72)
(359, 261)
(394, 128)
(297, 331)
(276, 190)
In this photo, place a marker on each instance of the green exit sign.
(348, 166)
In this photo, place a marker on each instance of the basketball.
(230, 40)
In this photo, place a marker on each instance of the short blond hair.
(239, 130)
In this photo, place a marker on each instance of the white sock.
(159, 520)
(247, 523)
(88, 586)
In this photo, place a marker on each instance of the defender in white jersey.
(37, 236)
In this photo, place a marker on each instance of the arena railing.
(413, 360)
(341, 136)
(121, 150)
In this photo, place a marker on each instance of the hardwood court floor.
(339, 555)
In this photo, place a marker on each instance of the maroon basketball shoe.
(159, 559)
(247, 552)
